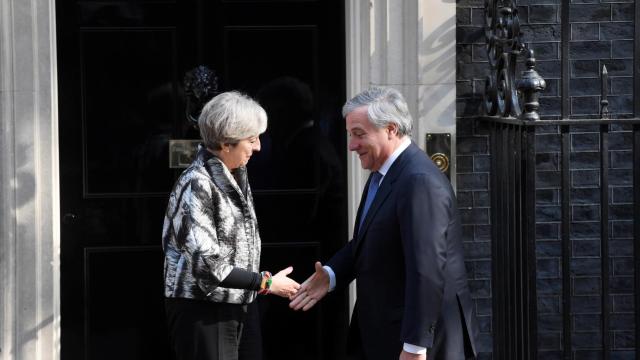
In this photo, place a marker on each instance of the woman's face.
(238, 155)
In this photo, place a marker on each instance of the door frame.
(411, 46)
(29, 182)
(29, 160)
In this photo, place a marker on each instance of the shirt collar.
(387, 164)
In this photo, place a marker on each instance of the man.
(413, 299)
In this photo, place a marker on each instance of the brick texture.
(602, 33)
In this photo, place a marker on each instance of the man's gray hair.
(384, 106)
(230, 117)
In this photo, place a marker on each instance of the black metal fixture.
(200, 86)
(504, 95)
(511, 110)
(438, 146)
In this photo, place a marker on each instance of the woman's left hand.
(282, 285)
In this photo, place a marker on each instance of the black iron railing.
(513, 219)
(511, 110)
(513, 240)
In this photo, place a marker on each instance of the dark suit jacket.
(409, 265)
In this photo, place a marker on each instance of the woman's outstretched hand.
(283, 285)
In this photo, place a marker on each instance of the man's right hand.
(410, 356)
(312, 290)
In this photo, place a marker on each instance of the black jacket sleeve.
(242, 279)
(424, 212)
(342, 265)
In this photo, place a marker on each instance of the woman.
(211, 241)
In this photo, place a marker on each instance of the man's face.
(372, 144)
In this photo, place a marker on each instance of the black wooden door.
(121, 68)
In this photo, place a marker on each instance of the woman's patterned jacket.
(210, 227)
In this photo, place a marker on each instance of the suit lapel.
(383, 192)
(363, 198)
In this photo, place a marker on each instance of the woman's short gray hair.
(384, 106)
(230, 117)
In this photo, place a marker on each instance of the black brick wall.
(473, 163)
(602, 33)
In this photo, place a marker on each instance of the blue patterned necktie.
(371, 194)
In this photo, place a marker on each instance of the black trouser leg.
(202, 330)
(251, 339)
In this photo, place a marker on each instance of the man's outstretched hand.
(312, 290)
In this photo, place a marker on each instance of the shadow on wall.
(25, 181)
(440, 41)
(31, 335)
(438, 49)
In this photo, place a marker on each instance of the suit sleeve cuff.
(414, 349)
(332, 277)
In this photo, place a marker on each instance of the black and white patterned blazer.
(210, 227)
